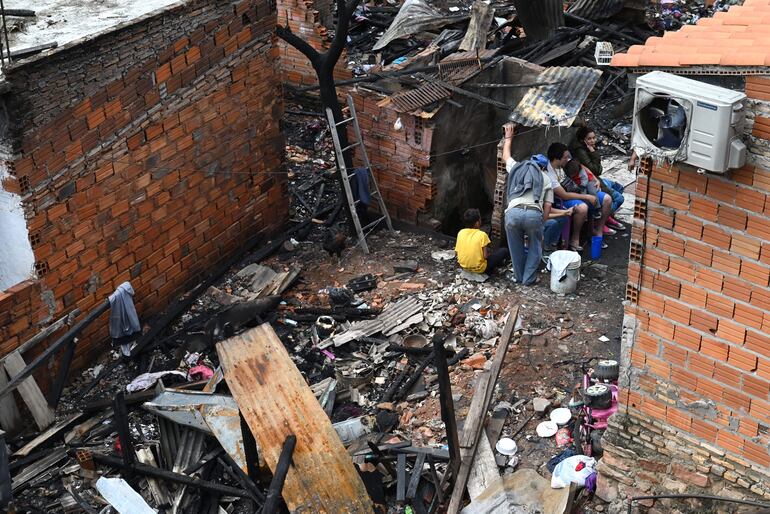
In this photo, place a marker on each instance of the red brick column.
(695, 396)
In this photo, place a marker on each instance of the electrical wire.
(465, 148)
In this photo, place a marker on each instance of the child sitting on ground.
(473, 246)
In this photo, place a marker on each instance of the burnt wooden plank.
(276, 402)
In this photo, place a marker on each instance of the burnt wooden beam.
(281, 469)
(55, 346)
(401, 478)
(447, 404)
(124, 432)
(151, 471)
(19, 13)
(6, 494)
(436, 481)
(414, 480)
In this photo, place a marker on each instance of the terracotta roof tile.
(743, 58)
(737, 37)
(659, 59)
(699, 59)
(623, 60)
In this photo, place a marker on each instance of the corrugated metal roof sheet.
(558, 103)
(596, 9)
(454, 69)
(392, 316)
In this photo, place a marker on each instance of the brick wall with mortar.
(143, 154)
(695, 414)
(308, 19)
(401, 159)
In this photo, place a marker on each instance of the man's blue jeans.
(520, 223)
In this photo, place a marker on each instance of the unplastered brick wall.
(695, 411)
(146, 154)
(400, 158)
(309, 20)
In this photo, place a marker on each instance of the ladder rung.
(373, 223)
(351, 146)
(346, 120)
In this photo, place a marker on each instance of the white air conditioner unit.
(680, 119)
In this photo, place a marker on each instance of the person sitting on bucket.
(473, 246)
(530, 196)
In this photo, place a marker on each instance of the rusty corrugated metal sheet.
(454, 69)
(558, 103)
(596, 9)
(276, 402)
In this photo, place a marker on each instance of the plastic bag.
(560, 260)
(567, 472)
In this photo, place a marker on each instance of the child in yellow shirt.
(472, 247)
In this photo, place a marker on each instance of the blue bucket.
(596, 247)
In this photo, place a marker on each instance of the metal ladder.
(374, 190)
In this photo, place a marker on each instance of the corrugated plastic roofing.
(737, 37)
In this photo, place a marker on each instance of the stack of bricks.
(147, 154)
(400, 159)
(696, 397)
(306, 19)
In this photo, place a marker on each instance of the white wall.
(16, 257)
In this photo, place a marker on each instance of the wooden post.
(281, 469)
(250, 451)
(447, 404)
(5, 474)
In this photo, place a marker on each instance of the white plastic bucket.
(565, 271)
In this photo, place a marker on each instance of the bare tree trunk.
(540, 18)
(323, 64)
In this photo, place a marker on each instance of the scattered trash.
(547, 429)
(575, 469)
(147, 380)
(506, 446)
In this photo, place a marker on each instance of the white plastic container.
(565, 271)
(603, 53)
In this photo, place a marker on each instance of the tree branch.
(344, 13)
(297, 42)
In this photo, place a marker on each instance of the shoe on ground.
(613, 223)
(607, 231)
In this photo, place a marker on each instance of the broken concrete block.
(405, 266)
(473, 277)
(540, 404)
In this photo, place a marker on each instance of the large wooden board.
(30, 392)
(276, 402)
(10, 418)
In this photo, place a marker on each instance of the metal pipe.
(698, 496)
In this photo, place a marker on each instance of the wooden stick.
(281, 469)
(447, 404)
(477, 413)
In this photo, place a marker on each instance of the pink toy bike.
(600, 401)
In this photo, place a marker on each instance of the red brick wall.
(146, 154)
(306, 19)
(400, 159)
(700, 297)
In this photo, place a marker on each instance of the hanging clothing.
(123, 318)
